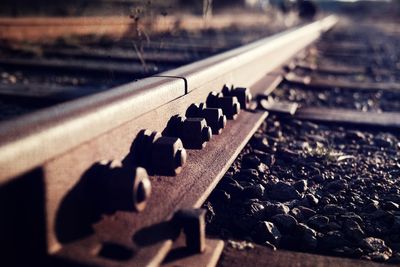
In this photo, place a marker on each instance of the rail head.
(38, 137)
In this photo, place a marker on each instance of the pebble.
(284, 222)
(308, 236)
(266, 231)
(318, 222)
(254, 191)
(299, 190)
(306, 212)
(240, 245)
(336, 186)
(283, 192)
(376, 248)
(334, 239)
(300, 186)
(390, 205)
(353, 230)
(272, 209)
(250, 161)
(333, 209)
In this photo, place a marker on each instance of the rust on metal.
(214, 117)
(384, 119)
(312, 82)
(194, 132)
(229, 105)
(192, 221)
(243, 95)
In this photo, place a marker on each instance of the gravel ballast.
(312, 187)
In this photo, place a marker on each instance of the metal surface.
(28, 142)
(57, 148)
(384, 119)
(263, 256)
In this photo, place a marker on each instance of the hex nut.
(193, 132)
(243, 95)
(159, 154)
(192, 221)
(168, 156)
(229, 105)
(214, 117)
(124, 188)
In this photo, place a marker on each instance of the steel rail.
(30, 141)
(61, 143)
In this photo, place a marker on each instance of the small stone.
(313, 200)
(250, 161)
(283, 192)
(336, 186)
(261, 143)
(254, 191)
(390, 205)
(355, 135)
(306, 212)
(240, 245)
(272, 209)
(296, 213)
(353, 230)
(334, 239)
(300, 186)
(284, 222)
(262, 168)
(351, 216)
(383, 140)
(267, 159)
(233, 188)
(254, 209)
(220, 196)
(371, 207)
(376, 248)
(318, 178)
(318, 222)
(269, 245)
(332, 226)
(308, 236)
(332, 209)
(248, 174)
(266, 231)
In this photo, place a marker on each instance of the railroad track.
(40, 74)
(76, 172)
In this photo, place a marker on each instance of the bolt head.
(141, 190)
(222, 121)
(206, 133)
(180, 157)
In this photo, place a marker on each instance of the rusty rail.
(55, 148)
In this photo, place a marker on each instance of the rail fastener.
(229, 104)
(194, 132)
(213, 116)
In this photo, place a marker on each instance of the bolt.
(192, 221)
(141, 189)
(180, 157)
(168, 156)
(158, 153)
(192, 131)
(242, 93)
(124, 188)
(206, 134)
(227, 104)
(213, 116)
